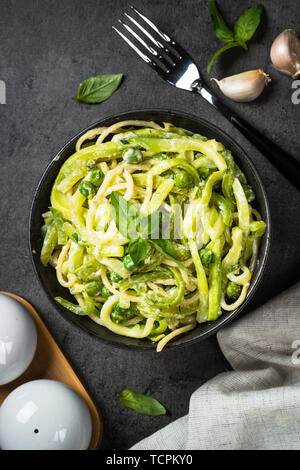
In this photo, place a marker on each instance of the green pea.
(132, 155)
(120, 310)
(116, 318)
(204, 172)
(93, 288)
(206, 257)
(128, 263)
(105, 293)
(119, 314)
(233, 290)
(182, 179)
(97, 178)
(115, 277)
(86, 189)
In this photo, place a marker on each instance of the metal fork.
(174, 65)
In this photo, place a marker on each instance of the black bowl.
(41, 202)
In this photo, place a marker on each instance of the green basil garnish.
(222, 31)
(166, 247)
(244, 28)
(126, 215)
(133, 225)
(142, 404)
(99, 88)
(247, 24)
(137, 249)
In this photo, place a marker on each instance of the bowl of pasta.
(150, 229)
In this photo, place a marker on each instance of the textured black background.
(46, 48)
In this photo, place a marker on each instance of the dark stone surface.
(46, 49)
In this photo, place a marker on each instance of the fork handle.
(282, 160)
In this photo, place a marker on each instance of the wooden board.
(49, 362)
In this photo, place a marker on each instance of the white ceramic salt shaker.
(44, 415)
(18, 339)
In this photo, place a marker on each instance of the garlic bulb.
(244, 87)
(285, 53)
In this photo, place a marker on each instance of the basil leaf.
(125, 215)
(99, 88)
(166, 248)
(138, 249)
(222, 31)
(247, 23)
(130, 222)
(244, 29)
(142, 404)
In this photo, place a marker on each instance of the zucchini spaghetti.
(151, 229)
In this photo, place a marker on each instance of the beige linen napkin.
(257, 405)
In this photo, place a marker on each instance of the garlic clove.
(285, 53)
(245, 86)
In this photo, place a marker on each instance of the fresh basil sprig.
(134, 226)
(99, 88)
(244, 28)
(142, 404)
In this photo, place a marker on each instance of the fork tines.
(161, 55)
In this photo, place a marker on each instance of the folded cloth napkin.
(257, 405)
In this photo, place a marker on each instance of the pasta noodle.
(159, 280)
